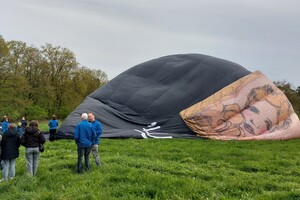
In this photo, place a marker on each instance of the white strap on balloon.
(145, 133)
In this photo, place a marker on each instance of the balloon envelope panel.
(145, 100)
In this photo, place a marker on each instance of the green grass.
(164, 169)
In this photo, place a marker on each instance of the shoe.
(11, 178)
(1, 180)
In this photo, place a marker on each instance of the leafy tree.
(4, 67)
(37, 83)
(59, 63)
(83, 82)
(292, 95)
(36, 112)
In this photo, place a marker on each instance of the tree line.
(292, 94)
(38, 82)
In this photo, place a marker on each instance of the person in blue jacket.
(98, 128)
(84, 136)
(5, 125)
(53, 124)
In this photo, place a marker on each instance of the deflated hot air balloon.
(216, 99)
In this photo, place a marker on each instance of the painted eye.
(254, 109)
(249, 128)
(268, 123)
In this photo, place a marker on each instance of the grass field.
(163, 169)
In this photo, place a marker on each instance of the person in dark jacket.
(23, 122)
(4, 118)
(31, 139)
(9, 152)
(84, 136)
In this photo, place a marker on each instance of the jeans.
(9, 167)
(95, 154)
(83, 151)
(32, 158)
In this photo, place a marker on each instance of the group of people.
(21, 125)
(10, 143)
(86, 134)
(30, 137)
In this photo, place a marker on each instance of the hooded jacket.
(10, 145)
(32, 137)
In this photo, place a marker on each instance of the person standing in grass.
(84, 136)
(31, 139)
(20, 129)
(9, 152)
(5, 125)
(0, 152)
(23, 123)
(98, 128)
(4, 118)
(53, 124)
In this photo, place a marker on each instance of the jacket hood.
(11, 133)
(32, 130)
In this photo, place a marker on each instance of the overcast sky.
(114, 35)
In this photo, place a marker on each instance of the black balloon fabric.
(145, 100)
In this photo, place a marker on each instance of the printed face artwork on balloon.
(245, 109)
